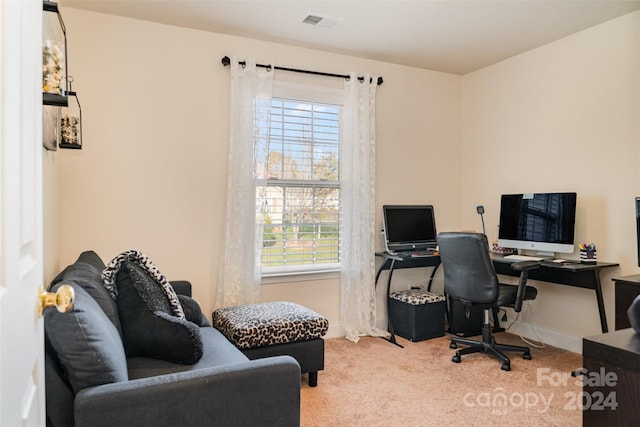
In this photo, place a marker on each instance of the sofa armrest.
(182, 287)
(262, 392)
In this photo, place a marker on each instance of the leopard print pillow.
(111, 270)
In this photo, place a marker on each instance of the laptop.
(408, 228)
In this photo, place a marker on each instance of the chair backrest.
(469, 274)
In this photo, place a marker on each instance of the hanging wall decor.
(70, 123)
(54, 72)
(54, 56)
(61, 115)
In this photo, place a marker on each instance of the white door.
(21, 266)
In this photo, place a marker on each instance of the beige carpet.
(375, 383)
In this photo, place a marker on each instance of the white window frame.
(286, 273)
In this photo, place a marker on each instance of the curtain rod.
(226, 61)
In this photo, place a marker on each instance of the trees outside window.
(298, 189)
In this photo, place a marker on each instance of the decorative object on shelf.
(634, 314)
(71, 121)
(52, 67)
(588, 253)
(54, 56)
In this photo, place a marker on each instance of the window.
(299, 182)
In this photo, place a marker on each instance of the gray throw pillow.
(86, 342)
(192, 311)
(86, 272)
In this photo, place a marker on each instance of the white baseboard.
(335, 331)
(548, 336)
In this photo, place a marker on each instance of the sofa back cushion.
(86, 272)
(86, 342)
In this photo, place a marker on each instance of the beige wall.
(151, 175)
(563, 117)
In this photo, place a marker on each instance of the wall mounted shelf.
(54, 100)
(62, 116)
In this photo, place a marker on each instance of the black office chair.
(469, 277)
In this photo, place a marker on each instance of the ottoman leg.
(313, 379)
(309, 354)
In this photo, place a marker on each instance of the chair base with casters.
(487, 345)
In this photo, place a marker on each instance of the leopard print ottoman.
(276, 328)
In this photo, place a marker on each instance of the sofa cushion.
(218, 351)
(148, 326)
(86, 272)
(87, 344)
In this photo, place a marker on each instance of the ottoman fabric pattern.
(416, 296)
(259, 325)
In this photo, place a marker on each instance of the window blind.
(300, 184)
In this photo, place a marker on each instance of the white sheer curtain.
(239, 273)
(357, 173)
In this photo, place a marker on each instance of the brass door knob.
(62, 299)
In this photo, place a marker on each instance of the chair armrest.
(523, 267)
(182, 287)
(261, 392)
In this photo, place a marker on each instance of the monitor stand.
(545, 254)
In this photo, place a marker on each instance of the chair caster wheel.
(506, 366)
(453, 345)
(526, 356)
(456, 358)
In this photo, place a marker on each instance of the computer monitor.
(542, 222)
(408, 227)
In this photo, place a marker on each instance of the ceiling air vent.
(312, 19)
(320, 21)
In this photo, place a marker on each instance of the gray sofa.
(93, 380)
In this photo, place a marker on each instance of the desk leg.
(392, 338)
(603, 316)
(433, 273)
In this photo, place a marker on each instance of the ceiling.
(453, 36)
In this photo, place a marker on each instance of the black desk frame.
(392, 262)
(586, 276)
